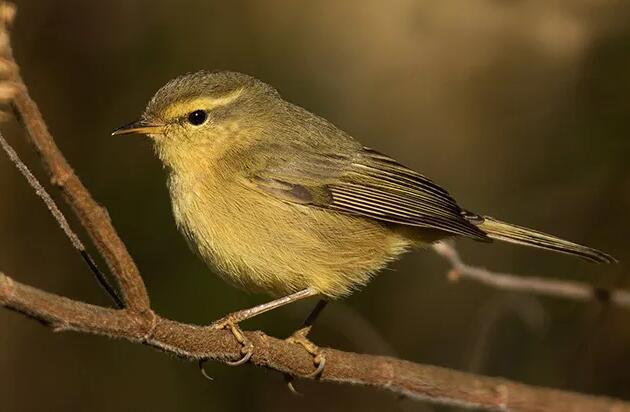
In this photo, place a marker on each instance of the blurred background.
(519, 108)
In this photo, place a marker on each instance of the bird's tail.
(524, 236)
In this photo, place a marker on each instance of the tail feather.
(524, 236)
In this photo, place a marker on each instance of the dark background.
(519, 108)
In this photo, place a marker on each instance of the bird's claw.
(319, 359)
(247, 347)
(289, 381)
(201, 365)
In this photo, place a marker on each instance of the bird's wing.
(367, 184)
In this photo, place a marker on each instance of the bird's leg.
(299, 337)
(232, 320)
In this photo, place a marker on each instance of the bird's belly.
(262, 244)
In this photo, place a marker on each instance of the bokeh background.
(519, 108)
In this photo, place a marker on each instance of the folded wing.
(367, 184)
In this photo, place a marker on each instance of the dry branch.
(61, 219)
(92, 216)
(565, 289)
(196, 342)
(139, 324)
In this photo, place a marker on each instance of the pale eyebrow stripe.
(178, 109)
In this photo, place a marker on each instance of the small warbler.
(281, 201)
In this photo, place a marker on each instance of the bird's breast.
(260, 243)
(230, 227)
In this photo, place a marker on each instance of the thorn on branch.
(454, 275)
(60, 179)
(7, 68)
(60, 327)
(6, 289)
(7, 13)
(503, 396)
(8, 90)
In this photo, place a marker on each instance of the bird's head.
(204, 112)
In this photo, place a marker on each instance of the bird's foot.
(319, 359)
(247, 347)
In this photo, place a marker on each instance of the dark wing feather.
(367, 184)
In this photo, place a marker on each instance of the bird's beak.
(139, 127)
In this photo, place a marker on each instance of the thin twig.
(91, 215)
(61, 220)
(564, 289)
(41, 192)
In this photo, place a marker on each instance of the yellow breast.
(263, 244)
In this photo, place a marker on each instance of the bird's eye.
(197, 118)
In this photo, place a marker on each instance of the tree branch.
(61, 220)
(93, 217)
(137, 323)
(191, 342)
(565, 289)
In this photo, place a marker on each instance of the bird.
(281, 201)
